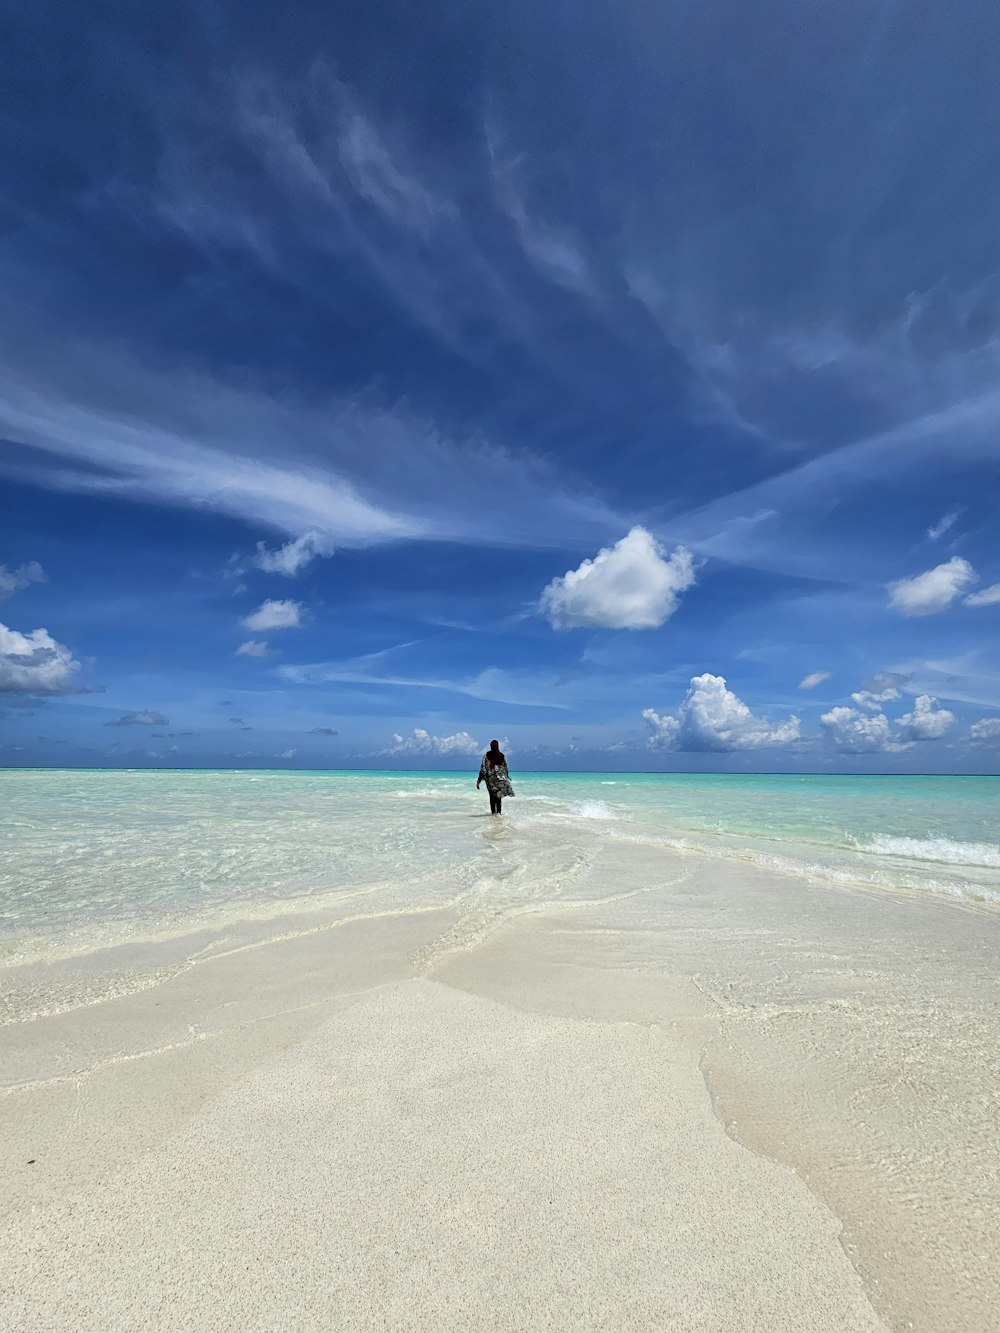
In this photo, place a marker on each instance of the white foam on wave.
(592, 810)
(578, 810)
(944, 851)
(852, 875)
(965, 891)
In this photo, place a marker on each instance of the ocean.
(97, 858)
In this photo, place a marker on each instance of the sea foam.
(945, 851)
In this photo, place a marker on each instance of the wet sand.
(688, 1095)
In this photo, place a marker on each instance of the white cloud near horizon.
(664, 729)
(145, 718)
(34, 663)
(813, 679)
(422, 742)
(13, 580)
(927, 721)
(854, 732)
(985, 732)
(631, 585)
(274, 614)
(713, 718)
(933, 591)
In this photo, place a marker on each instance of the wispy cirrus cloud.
(91, 420)
(342, 188)
(491, 685)
(549, 247)
(967, 678)
(944, 524)
(144, 452)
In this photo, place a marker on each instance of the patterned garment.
(496, 777)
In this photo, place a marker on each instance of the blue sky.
(619, 381)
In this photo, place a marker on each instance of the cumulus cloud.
(985, 597)
(252, 648)
(985, 732)
(713, 718)
(13, 580)
(141, 719)
(872, 700)
(934, 590)
(947, 521)
(322, 731)
(293, 556)
(813, 679)
(285, 754)
(664, 729)
(854, 732)
(34, 663)
(422, 742)
(274, 615)
(927, 722)
(631, 585)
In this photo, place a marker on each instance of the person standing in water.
(493, 771)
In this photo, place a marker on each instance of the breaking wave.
(943, 851)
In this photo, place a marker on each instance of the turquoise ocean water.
(89, 858)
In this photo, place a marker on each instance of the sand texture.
(658, 1103)
(430, 1160)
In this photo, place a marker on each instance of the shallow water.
(95, 858)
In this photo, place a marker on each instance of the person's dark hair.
(494, 754)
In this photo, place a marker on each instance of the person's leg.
(494, 804)
(499, 811)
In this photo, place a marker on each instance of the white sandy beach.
(712, 1101)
